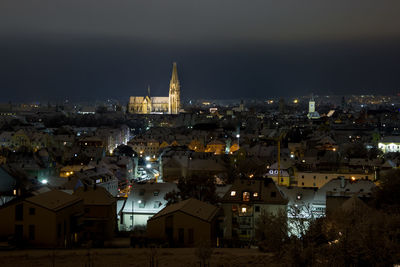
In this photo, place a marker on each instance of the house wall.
(251, 217)
(202, 231)
(306, 179)
(46, 224)
(100, 221)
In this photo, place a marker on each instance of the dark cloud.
(96, 49)
(98, 69)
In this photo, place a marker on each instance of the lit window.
(233, 193)
(246, 196)
(244, 210)
(298, 197)
(255, 194)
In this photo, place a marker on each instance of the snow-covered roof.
(148, 198)
(341, 186)
(191, 206)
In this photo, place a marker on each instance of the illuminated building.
(312, 114)
(390, 144)
(159, 104)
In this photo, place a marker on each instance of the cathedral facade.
(159, 104)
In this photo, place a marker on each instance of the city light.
(148, 166)
(44, 181)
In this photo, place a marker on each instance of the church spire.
(174, 78)
(148, 90)
(174, 103)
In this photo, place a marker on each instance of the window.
(31, 232)
(142, 204)
(255, 194)
(157, 204)
(273, 194)
(257, 208)
(32, 211)
(181, 236)
(315, 177)
(233, 193)
(156, 192)
(313, 184)
(19, 232)
(19, 212)
(191, 235)
(244, 210)
(246, 196)
(141, 192)
(326, 177)
(59, 230)
(302, 183)
(302, 176)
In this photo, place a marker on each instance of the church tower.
(174, 102)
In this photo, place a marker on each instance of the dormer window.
(233, 193)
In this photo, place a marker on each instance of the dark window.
(191, 235)
(314, 184)
(19, 232)
(181, 235)
(326, 177)
(302, 176)
(273, 194)
(19, 212)
(257, 209)
(302, 183)
(31, 232)
(59, 230)
(141, 192)
(315, 176)
(156, 193)
(32, 211)
(87, 210)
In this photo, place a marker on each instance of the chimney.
(342, 182)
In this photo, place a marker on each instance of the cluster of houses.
(71, 186)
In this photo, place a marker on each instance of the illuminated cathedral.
(159, 104)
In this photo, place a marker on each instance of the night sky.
(98, 49)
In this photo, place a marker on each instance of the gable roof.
(95, 196)
(192, 207)
(54, 200)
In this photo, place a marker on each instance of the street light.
(148, 166)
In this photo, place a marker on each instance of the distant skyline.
(87, 50)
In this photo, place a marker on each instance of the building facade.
(158, 104)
